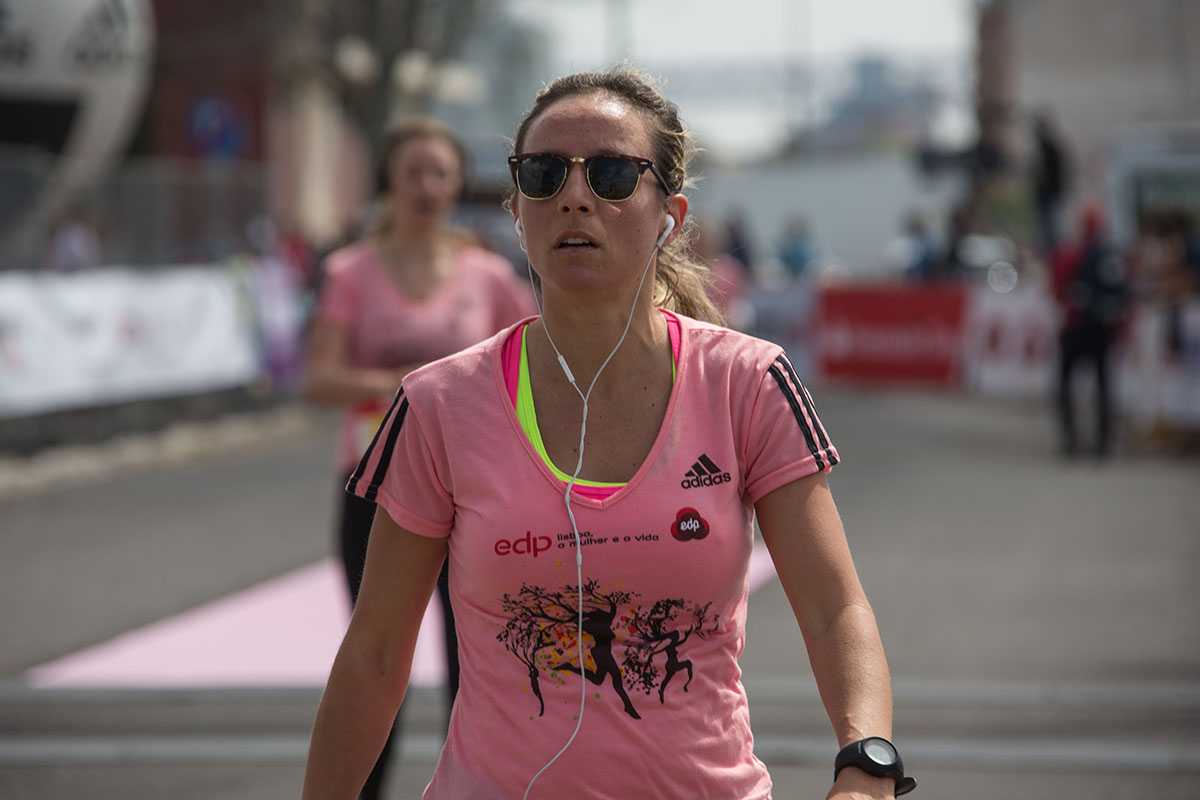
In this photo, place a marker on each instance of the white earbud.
(662, 239)
(520, 234)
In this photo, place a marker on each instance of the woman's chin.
(420, 220)
(587, 284)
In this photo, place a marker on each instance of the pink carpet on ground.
(284, 632)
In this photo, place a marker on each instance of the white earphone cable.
(578, 468)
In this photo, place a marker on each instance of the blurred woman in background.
(412, 291)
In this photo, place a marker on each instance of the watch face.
(879, 751)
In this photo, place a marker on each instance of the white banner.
(112, 335)
(1010, 346)
(1160, 385)
(1011, 350)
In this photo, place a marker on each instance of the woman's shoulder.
(471, 370)
(351, 258)
(716, 342)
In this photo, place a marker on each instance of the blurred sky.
(668, 35)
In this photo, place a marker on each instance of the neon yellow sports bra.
(527, 414)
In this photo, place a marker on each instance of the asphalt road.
(1039, 615)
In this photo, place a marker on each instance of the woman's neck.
(585, 335)
(417, 261)
(411, 244)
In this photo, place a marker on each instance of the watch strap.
(853, 755)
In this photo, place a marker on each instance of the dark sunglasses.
(540, 176)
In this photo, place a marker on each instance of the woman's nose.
(576, 195)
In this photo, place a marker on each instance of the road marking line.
(930, 753)
(1099, 695)
(1147, 695)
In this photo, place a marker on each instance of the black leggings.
(1088, 341)
(355, 529)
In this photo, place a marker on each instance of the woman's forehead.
(588, 125)
(424, 149)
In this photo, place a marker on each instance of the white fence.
(115, 335)
(147, 212)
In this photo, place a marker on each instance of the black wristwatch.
(875, 756)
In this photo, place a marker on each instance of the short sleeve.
(341, 291)
(784, 439)
(399, 472)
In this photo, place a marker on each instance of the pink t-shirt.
(665, 562)
(389, 329)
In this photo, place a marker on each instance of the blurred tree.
(381, 58)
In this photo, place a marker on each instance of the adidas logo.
(103, 39)
(704, 473)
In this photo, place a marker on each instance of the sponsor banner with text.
(896, 334)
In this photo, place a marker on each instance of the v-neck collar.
(681, 370)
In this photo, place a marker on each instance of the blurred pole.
(997, 114)
(318, 118)
(996, 77)
(317, 156)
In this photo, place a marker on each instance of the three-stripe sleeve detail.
(809, 406)
(797, 396)
(398, 411)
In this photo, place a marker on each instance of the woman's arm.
(802, 530)
(370, 674)
(329, 379)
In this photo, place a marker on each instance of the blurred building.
(881, 108)
(296, 93)
(1099, 67)
(239, 112)
(201, 155)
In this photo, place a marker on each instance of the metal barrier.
(143, 213)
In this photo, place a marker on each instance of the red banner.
(894, 333)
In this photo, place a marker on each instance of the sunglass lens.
(540, 176)
(613, 178)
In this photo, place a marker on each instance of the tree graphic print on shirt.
(656, 631)
(542, 633)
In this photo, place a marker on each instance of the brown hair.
(680, 282)
(400, 134)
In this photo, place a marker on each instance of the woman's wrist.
(858, 784)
